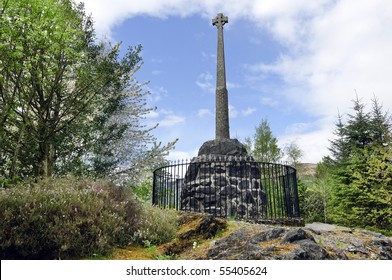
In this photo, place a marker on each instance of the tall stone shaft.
(222, 130)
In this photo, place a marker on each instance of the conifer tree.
(362, 169)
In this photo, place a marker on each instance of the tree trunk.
(46, 162)
(15, 156)
(46, 152)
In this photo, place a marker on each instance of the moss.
(278, 248)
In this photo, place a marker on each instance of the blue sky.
(295, 63)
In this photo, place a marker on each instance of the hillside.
(306, 170)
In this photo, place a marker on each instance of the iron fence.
(229, 187)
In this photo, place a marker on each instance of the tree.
(381, 124)
(339, 146)
(293, 153)
(373, 186)
(358, 127)
(248, 143)
(362, 169)
(68, 104)
(265, 145)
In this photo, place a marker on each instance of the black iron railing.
(234, 187)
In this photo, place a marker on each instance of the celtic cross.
(222, 130)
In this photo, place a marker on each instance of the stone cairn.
(223, 180)
(224, 185)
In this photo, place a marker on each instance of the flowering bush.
(157, 225)
(65, 218)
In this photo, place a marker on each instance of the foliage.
(264, 145)
(65, 218)
(158, 225)
(143, 192)
(68, 104)
(353, 187)
(367, 200)
(9, 182)
(315, 195)
(360, 177)
(293, 153)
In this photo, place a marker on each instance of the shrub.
(157, 225)
(65, 218)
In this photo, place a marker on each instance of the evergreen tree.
(361, 193)
(339, 146)
(381, 124)
(358, 128)
(372, 186)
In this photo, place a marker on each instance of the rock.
(231, 246)
(248, 244)
(270, 234)
(318, 228)
(308, 250)
(296, 235)
(225, 147)
(271, 242)
(193, 228)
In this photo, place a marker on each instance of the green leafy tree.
(264, 146)
(68, 104)
(293, 153)
(248, 145)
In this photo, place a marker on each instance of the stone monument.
(223, 180)
(222, 145)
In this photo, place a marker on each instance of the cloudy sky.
(295, 62)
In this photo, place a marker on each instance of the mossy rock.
(193, 228)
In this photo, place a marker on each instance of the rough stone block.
(223, 147)
(225, 185)
(244, 184)
(220, 181)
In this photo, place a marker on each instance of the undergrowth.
(65, 219)
(70, 218)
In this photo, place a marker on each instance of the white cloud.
(298, 128)
(231, 85)
(206, 82)
(109, 13)
(314, 144)
(157, 93)
(311, 138)
(248, 111)
(208, 57)
(171, 120)
(181, 155)
(346, 47)
(268, 101)
(152, 115)
(233, 112)
(204, 113)
(332, 49)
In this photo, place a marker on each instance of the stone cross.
(222, 130)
